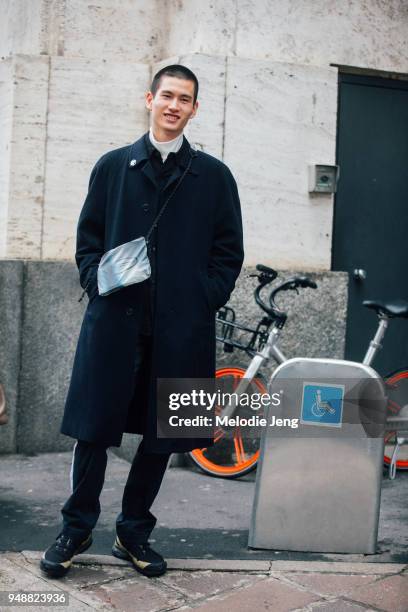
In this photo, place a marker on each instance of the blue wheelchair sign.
(322, 404)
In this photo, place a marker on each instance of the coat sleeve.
(227, 252)
(91, 231)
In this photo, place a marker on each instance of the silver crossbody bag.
(129, 263)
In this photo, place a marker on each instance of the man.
(163, 327)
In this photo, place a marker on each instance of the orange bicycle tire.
(240, 467)
(401, 464)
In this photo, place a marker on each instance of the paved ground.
(202, 530)
(102, 583)
(198, 516)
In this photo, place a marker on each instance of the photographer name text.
(235, 421)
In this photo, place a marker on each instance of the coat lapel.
(176, 174)
(149, 172)
(139, 158)
(183, 159)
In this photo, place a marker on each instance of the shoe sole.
(150, 573)
(56, 570)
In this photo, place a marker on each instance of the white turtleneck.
(164, 148)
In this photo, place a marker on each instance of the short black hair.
(175, 70)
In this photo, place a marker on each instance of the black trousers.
(81, 511)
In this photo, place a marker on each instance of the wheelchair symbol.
(321, 407)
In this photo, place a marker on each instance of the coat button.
(129, 311)
(145, 206)
(132, 163)
(153, 248)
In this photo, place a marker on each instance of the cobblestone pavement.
(202, 530)
(104, 583)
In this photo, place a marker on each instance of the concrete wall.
(51, 324)
(21, 26)
(125, 31)
(40, 319)
(6, 121)
(316, 324)
(27, 157)
(66, 114)
(268, 105)
(267, 120)
(365, 33)
(279, 119)
(93, 106)
(11, 330)
(129, 30)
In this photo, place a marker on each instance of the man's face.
(171, 107)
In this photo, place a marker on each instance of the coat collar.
(139, 158)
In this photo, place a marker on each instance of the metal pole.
(375, 344)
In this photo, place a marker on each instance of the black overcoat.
(199, 255)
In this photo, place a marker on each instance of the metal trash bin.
(318, 485)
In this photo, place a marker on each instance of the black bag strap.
(163, 208)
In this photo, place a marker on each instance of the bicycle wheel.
(232, 455)
(397, 391)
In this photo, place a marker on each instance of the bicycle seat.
(394, 308)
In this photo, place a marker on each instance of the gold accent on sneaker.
(138, 562)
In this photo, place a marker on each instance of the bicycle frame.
(260, 342)
(375, 343)
(271, 350)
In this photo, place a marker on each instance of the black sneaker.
(57, 559)
(144, 559)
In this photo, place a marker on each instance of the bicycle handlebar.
(291, 284)
(266, 270)
(267, 276)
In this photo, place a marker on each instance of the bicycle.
(233, 456)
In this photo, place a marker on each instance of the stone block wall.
(6, 120)
(365, 33)
(65, 115)
(279, 119)
(51, 324)
(93, 106)
(125, 31)
(72, 81)
(30, 76)
(316, 324)
(268, 121)
(11, 330)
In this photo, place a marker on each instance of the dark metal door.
(370, 230)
